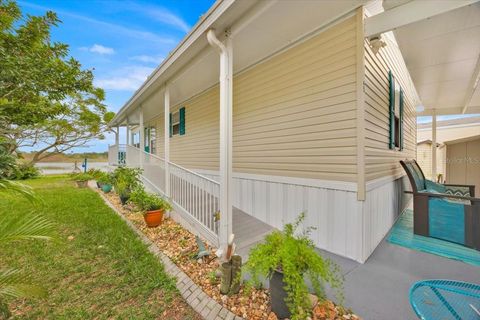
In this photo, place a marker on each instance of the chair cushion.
(446, 220)
(433, 186)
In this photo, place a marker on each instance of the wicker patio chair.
(444, 211)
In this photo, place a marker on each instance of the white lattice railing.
(191, 193)
(133, 156)
(113, 155)
(197, 195)
(154, 170)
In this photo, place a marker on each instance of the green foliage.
(126, 179)
(81, 177)
(7, 160)
(95, 173)
(295, 256)
(104, 178)
(146, 201)
(46, 98)
(25, 171)
(13, 227)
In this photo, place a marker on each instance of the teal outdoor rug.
(402, 235)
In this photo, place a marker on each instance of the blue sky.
(123, 41)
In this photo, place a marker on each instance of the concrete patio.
(379, 288)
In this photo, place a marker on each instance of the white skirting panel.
(383, 204)
(336, 214)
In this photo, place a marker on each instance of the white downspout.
(142, 138)
(167, 140)
(226, 88)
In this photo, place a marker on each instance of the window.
(136, 139)
(177, 122)
(153, 140)
(396, 113)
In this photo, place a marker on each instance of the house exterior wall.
(293, 115)
(463, 165)
(296, 137)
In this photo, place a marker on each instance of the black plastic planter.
(124, 199)
(278, 294)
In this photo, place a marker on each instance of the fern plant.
(295, 256)
(13, 283)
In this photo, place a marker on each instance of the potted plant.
(105, 182)
(285, 258)
(96, 174)
(123, 191)
(152, 206)
(82, 179)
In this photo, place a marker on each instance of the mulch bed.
(180, 246)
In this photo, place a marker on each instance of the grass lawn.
(96, 268)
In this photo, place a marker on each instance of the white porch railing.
(116, 155)
(197, 195)
(193, 195)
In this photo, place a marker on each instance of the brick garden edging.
(193, 294)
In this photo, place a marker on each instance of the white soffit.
(264, 33)
(442, 55)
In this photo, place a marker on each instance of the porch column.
(117, 136)
(127, 133)
(142, 138)
(226, 71)
(434, 147)
(166, 144)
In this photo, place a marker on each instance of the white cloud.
(128, 78)
(147, 59)
(160, 14)
(97, 48)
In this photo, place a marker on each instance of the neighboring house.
(424, 159)
(447, 130)
(308, 115)
(463, 162)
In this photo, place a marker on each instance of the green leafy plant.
(126, 179)
(81, 177)
(14, 283)
(25, 171)
(295, 256)
(146, 201)
(104, 178)
(95, 173)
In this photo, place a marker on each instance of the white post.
(128, 133)
(434, 147)
(142, 137)
(117, 136)
(226, 89)
(167, 140)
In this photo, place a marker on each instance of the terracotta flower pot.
(82, 184)
(153, 218)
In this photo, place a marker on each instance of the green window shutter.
(391, 143)
(170, 125)
(401, 120)
(182, 121)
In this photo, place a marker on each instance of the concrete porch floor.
(379, 288)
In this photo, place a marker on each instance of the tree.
(46, 99)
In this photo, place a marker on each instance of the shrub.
(24, 171)
(146, 201)
(104, 178)
(81, 177)
(296, 257)
(95, 173)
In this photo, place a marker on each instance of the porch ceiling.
(259, 29)
(442, 55)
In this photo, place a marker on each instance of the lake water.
(68, 167)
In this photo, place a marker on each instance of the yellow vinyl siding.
(293, 115)
(380, 161)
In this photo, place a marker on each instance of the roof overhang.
(440, 43)
(260, 29)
